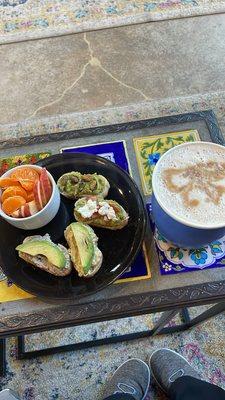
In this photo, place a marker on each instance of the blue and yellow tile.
(149, 149)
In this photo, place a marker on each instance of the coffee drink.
(190, 182)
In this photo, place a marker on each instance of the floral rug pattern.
(82, 375)
(29, 19)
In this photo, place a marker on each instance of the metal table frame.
(171, 301)
(158, 329)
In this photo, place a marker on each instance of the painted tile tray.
(136, 148)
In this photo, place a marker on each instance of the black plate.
(119, 247)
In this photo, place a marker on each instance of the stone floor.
(109, 69)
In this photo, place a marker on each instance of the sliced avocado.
(44, 248)
(100, 183)
(84, 243)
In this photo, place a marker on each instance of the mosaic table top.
(148, 150)
(133, 296)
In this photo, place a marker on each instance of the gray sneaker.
(132, 377)
(166, 366)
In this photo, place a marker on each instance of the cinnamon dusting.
(203, 176)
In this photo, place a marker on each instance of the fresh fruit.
(30, 196)
(37, 195)
(42, 190)
(13, 191)
(52, 252)
(26, 210)
(12, 204)
(46, 187)
(25, 173)
(27, 184)
(25, 192)
(6, 182)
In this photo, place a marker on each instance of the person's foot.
(166, 366)
(132, 377)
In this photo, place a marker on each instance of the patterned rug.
(81, 375)
(31, 19)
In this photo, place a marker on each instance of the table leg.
(165, 318)
(159, 329)
(2, 357)
(185, 317)
(211, 312)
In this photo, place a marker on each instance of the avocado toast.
(41, 252)
(74, 185)
(85, 254)
(99, 212)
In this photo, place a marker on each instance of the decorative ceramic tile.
(173, 259)
(14, 161)
(116, 152)
(148, 150)
(140, 270)
(113, 151)
(10, 292)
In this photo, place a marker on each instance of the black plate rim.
(94, 157)
(45, 162)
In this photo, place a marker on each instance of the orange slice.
(27, 184)
(6, 182)
(13, 191)
(12, 204)
(25, 173)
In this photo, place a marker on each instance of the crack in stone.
(123, 83)
(63, 93)
(97, 63)
(94, 62)
(89, 45)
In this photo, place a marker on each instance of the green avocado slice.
(84, 244)
(44, 248)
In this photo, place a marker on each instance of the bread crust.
(41, 262)
(92, 222)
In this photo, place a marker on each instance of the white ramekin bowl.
(42, 217)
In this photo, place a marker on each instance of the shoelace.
(124, 388)
(177, 374)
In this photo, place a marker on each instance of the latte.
(190, 183)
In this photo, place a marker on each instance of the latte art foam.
(191, 183)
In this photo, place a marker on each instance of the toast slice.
(96, 211)
(42, 253)
(74, 185)
(85, 254)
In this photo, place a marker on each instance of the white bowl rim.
(54, 186)
(167, 210)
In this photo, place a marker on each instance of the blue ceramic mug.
(177, 230)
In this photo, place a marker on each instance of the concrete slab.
(111, 68)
